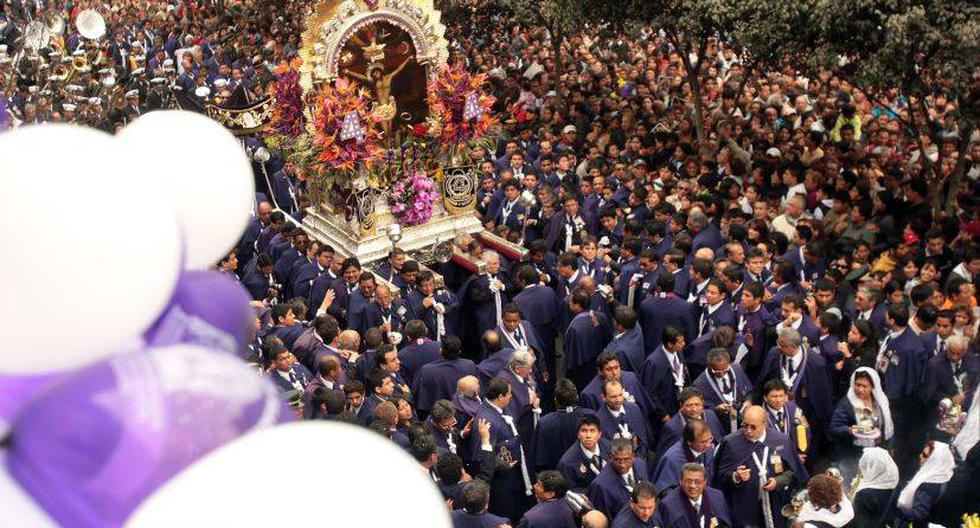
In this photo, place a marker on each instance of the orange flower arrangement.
(447, 101)
(333, 104)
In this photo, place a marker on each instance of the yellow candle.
(801, 437)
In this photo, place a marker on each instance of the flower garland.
(413, 199)
(333, 104)
(288, 117)
(448, 93)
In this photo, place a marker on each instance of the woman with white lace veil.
(873, 494)
(915, 503)
(862, 419)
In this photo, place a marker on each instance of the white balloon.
(204, 171)
(210, 492)
(87, 260)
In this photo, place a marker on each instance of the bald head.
(468, 386)
(594, 519)
(349, 340)
(754, 422)
(704, 254)
(587, 284)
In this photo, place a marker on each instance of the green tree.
(921, 49)
(562, 19)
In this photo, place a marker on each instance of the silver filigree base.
(345, 237)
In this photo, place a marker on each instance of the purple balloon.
(96, 443)
(17, 389)
(209, 309)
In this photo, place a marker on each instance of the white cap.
(68, 107)
(139, 71)
(774, 152)
(220, 83)
(202, 91)
(569, 128)
(95, 100)
(133, 93)
(158, 80)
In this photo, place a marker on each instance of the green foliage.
(913, 46)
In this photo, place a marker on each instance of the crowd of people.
(710, 316)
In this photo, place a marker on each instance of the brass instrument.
(79, 63)
(90, 24)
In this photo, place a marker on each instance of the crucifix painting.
(381, 56)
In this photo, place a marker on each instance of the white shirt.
(295, 382)
(677, 372)
(589, 454)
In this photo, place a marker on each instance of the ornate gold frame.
(335, 21)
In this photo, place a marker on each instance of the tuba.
(90, 24)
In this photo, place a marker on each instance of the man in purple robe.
(300, 240)
(441, 426)
(784, 416)
(627, 341)
(697, 446)
(705, 233)
(794, 314)
(525, 403)
(482, 298)
(306, 275)
(558, 430)
(608, 367)
(716, 311)
(518, 334)
(753, 320)
(437, 380)
(584, 459)
(664, 375)
(804, 373)
(358, 301)
(613, 486)
(510, 487)
(286, 327)
(725, 387)
(342, 288)
(691, 406)
(389, 360)
(566, 230)
(467, 400)
(419, 350)
(663, 309)
(551, 510)
(587, 334)
(539, 306)
(384, 312)
(438, 308)
(642, 511)
(381, 387)
(758, 471)
(622, 419)
(473, 511)
(693, 504)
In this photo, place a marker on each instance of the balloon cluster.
(122, 399)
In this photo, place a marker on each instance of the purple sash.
(692, 516)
